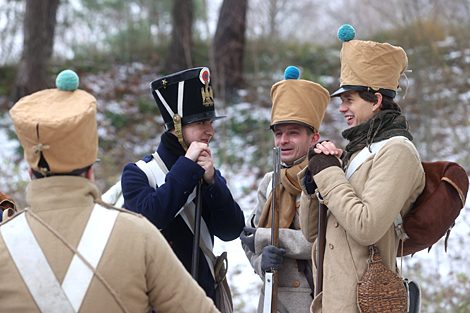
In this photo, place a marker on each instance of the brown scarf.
(289, 189)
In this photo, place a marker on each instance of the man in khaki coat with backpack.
(375, 187)
(69, 251)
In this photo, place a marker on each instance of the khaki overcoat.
(137, 262)
(361, 213)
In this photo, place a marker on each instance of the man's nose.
(284, 138)
(210, 130)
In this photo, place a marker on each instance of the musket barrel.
(197, 232)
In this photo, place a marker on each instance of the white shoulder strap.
(187, 212)
(360, 158)
(269, 187)
(91, 247)
(33, 266)
(147, 169)
(43, 285)
(114, 196)
(365, 153)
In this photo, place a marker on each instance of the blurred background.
(117, 47)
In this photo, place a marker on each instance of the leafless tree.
(181, 45)
(39, 28)
(229, 47)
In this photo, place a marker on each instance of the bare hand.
(195, 150)
(200, 153)
(205, 161)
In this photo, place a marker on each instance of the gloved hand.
(317, 162)
(272, 258)
(248, 237)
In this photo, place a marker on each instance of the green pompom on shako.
(346, 33)
(67, 80)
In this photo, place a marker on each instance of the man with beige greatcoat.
(363, 208)
(298, 109)
(69, 252)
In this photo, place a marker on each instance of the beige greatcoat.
(137, 262)
(361, 212)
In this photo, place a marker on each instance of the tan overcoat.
(137, 262)
(361, 213)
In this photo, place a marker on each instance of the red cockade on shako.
(206, 91)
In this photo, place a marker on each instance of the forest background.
(119, 46)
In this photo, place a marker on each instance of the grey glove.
(272, 258)
(248, 237)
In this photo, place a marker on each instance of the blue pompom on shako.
(291, 72)
(67, 80)
(346, 33)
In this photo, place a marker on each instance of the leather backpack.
(434, 212)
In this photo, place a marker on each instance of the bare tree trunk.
(229, 47)
(181, 44)
(39, 29)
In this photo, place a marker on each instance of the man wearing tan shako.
(382, 175)
(70, 252)
(298, 109)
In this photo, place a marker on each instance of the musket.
(197, 231)
(321, 242)
(270, 283)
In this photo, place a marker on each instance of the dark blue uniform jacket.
(220, 212)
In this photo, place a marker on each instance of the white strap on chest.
(156, 171)
(33, 267)
(36, 271)
(91, 247)
(364, 155)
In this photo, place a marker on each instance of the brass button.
(336, 224)
(331, 246)
(298, 225)
(295, 264)
(297, 204)
(326, 202)
(296, 283)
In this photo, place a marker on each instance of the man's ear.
(377, 106)
(89, 174)
(316, 137)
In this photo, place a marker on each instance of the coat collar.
(58, 192)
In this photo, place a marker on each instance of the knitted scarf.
(383, 125)
(288, 189)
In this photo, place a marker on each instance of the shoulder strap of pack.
(91, 247)
(33, 266)
(43, 285)
(364, 155)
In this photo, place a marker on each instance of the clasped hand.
(200, 153)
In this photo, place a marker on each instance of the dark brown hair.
(387, 102)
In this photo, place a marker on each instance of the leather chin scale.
(179, 131)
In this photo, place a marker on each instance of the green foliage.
(147, 107)
(313, 60)
(117, 120)
(7, 79)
